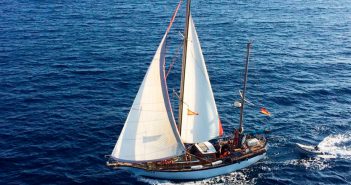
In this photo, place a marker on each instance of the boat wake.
(232, 178)
(312, 163)
(337, 145)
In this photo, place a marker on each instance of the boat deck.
(190, 162)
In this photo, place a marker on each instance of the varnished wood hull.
(194, 174)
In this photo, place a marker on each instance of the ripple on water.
(69, 71)
(338, 145)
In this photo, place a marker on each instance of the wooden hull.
(194, 174)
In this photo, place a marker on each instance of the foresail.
(149, 132)
(200, 120)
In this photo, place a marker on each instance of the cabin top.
(206, 148)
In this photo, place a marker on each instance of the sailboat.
(152, 144)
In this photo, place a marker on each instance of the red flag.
(265, 111)
(220, 127)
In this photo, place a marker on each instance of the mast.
(241, 129)
(185, 44)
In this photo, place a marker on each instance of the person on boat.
(225, 153)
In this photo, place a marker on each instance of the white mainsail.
(149, 132)
(200, 120)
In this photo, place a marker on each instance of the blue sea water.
(69, 71)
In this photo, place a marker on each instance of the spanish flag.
(265, 111)
(191, 113)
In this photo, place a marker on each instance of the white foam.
(311, 163)
(338, 145)
(232, 178)
(153, 181)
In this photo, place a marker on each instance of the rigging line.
(246, 100)
(174, 92)
(170, 25)
(181, 35)
(174, 59)
(259, 104)
(173, 17)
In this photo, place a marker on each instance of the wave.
(338, 145)
(232, 178)
(311, 163)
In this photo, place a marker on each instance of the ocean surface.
(69, 72)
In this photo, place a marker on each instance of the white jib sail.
(149, 132)
(200, 120)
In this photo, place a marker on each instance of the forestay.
(200, 120)
(149, 132)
